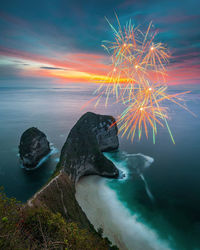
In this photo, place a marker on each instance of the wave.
(147, 159)
(120, 164)
(126, 162)
(104, 210)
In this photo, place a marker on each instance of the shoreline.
(104, 210)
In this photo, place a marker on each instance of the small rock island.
(33, 147)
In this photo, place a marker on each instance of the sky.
(59, 41)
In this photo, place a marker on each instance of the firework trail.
(138, 80)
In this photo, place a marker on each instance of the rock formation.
(81, 155)
(82, 152)
(33, 147)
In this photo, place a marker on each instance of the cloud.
(53, 68)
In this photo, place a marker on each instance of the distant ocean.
(164, 201)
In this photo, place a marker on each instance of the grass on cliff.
(39, 228)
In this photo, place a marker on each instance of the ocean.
(161, 204)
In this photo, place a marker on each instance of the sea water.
(163, 198)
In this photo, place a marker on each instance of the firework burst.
(138, 80)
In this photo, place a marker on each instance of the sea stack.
(82, 152)
(33, 147)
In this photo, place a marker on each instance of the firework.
(138, 80)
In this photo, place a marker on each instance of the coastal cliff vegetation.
(23, 227)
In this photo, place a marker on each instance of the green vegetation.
(23, 227)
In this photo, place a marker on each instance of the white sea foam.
(148, 162)
(121, 165)
(103, 209)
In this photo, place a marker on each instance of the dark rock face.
(33, 147)
(82, 152)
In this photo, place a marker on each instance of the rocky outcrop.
(33, 147)
(82, 152)
(81, 155)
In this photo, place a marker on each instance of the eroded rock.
(33, 147)
(82, 152)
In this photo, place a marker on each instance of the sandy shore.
(104, 210)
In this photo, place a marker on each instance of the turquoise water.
(158, 210)
(172, 179)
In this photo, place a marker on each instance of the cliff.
(81, 155)
(82, 152)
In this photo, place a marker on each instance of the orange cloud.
(87, 67)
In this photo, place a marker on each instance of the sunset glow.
(86, 68)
